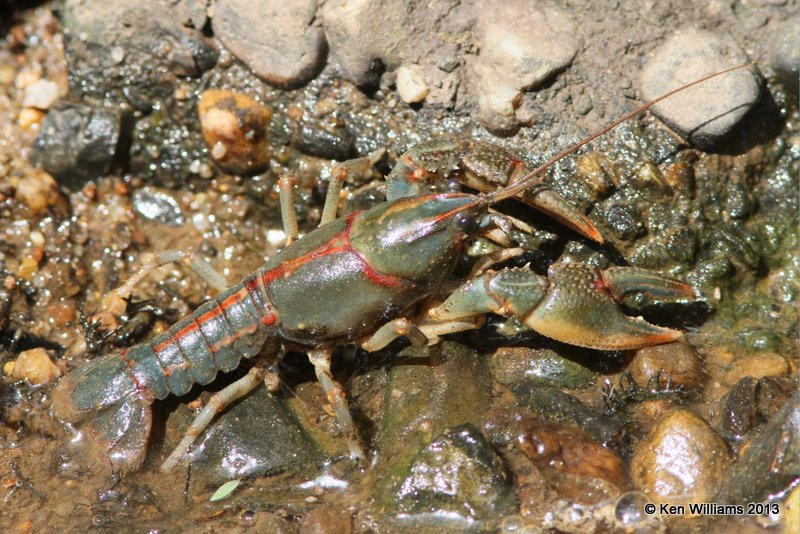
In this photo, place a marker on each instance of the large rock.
(457, 476)
(705, 113)
(256, 436)
(281, 42)
(514, 58)
(682, 460)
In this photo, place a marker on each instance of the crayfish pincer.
(388, 260)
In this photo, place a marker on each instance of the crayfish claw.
(581, 308)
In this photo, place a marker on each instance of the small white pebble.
(411, 84)
(200, 221)
(219, 150)
(37, 239)
(117, 54)
(276, 237)
(205, 170)
(41, 94)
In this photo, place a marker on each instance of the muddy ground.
(491, 430)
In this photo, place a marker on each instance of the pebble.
(513, 58)
(39, 191)
(597, 172)
(234, 127)
(259, 435)
(78, 142)
(411, 84)
(682, 460)
(281, 42)
(705, 113)
(757, 366)
(41, 94)
(518, 364)
(457, 476)
(28, 118)
(570, 450)
(158, 206)
(675, 364)
(769, 466)
(35, 366)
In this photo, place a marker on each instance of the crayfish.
(383, 263)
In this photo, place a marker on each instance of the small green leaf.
(225, 490)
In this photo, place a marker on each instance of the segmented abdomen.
(216, 337)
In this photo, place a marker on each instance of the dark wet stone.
(770, 466)
(435, 399)
(421, 394)
(705, 113)
(749, 405)
(78, 142)
(256, 436)
(323, 141)
(512, 365)
(624, 221)
(158, 207)
(736, 412)
(457, 478)
(734, 244)
(681, 244)
(772, 394)
(137, 56)
(551, 403)
(681, 460)
(281, 42)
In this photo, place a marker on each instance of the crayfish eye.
(464, 220)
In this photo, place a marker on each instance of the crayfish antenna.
(538, 174)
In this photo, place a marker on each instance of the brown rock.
(40, 192)
(675, 364)
(570, 450)
(757, 366)
(234, 127)
(682, 460)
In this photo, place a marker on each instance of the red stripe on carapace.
(338, 243)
